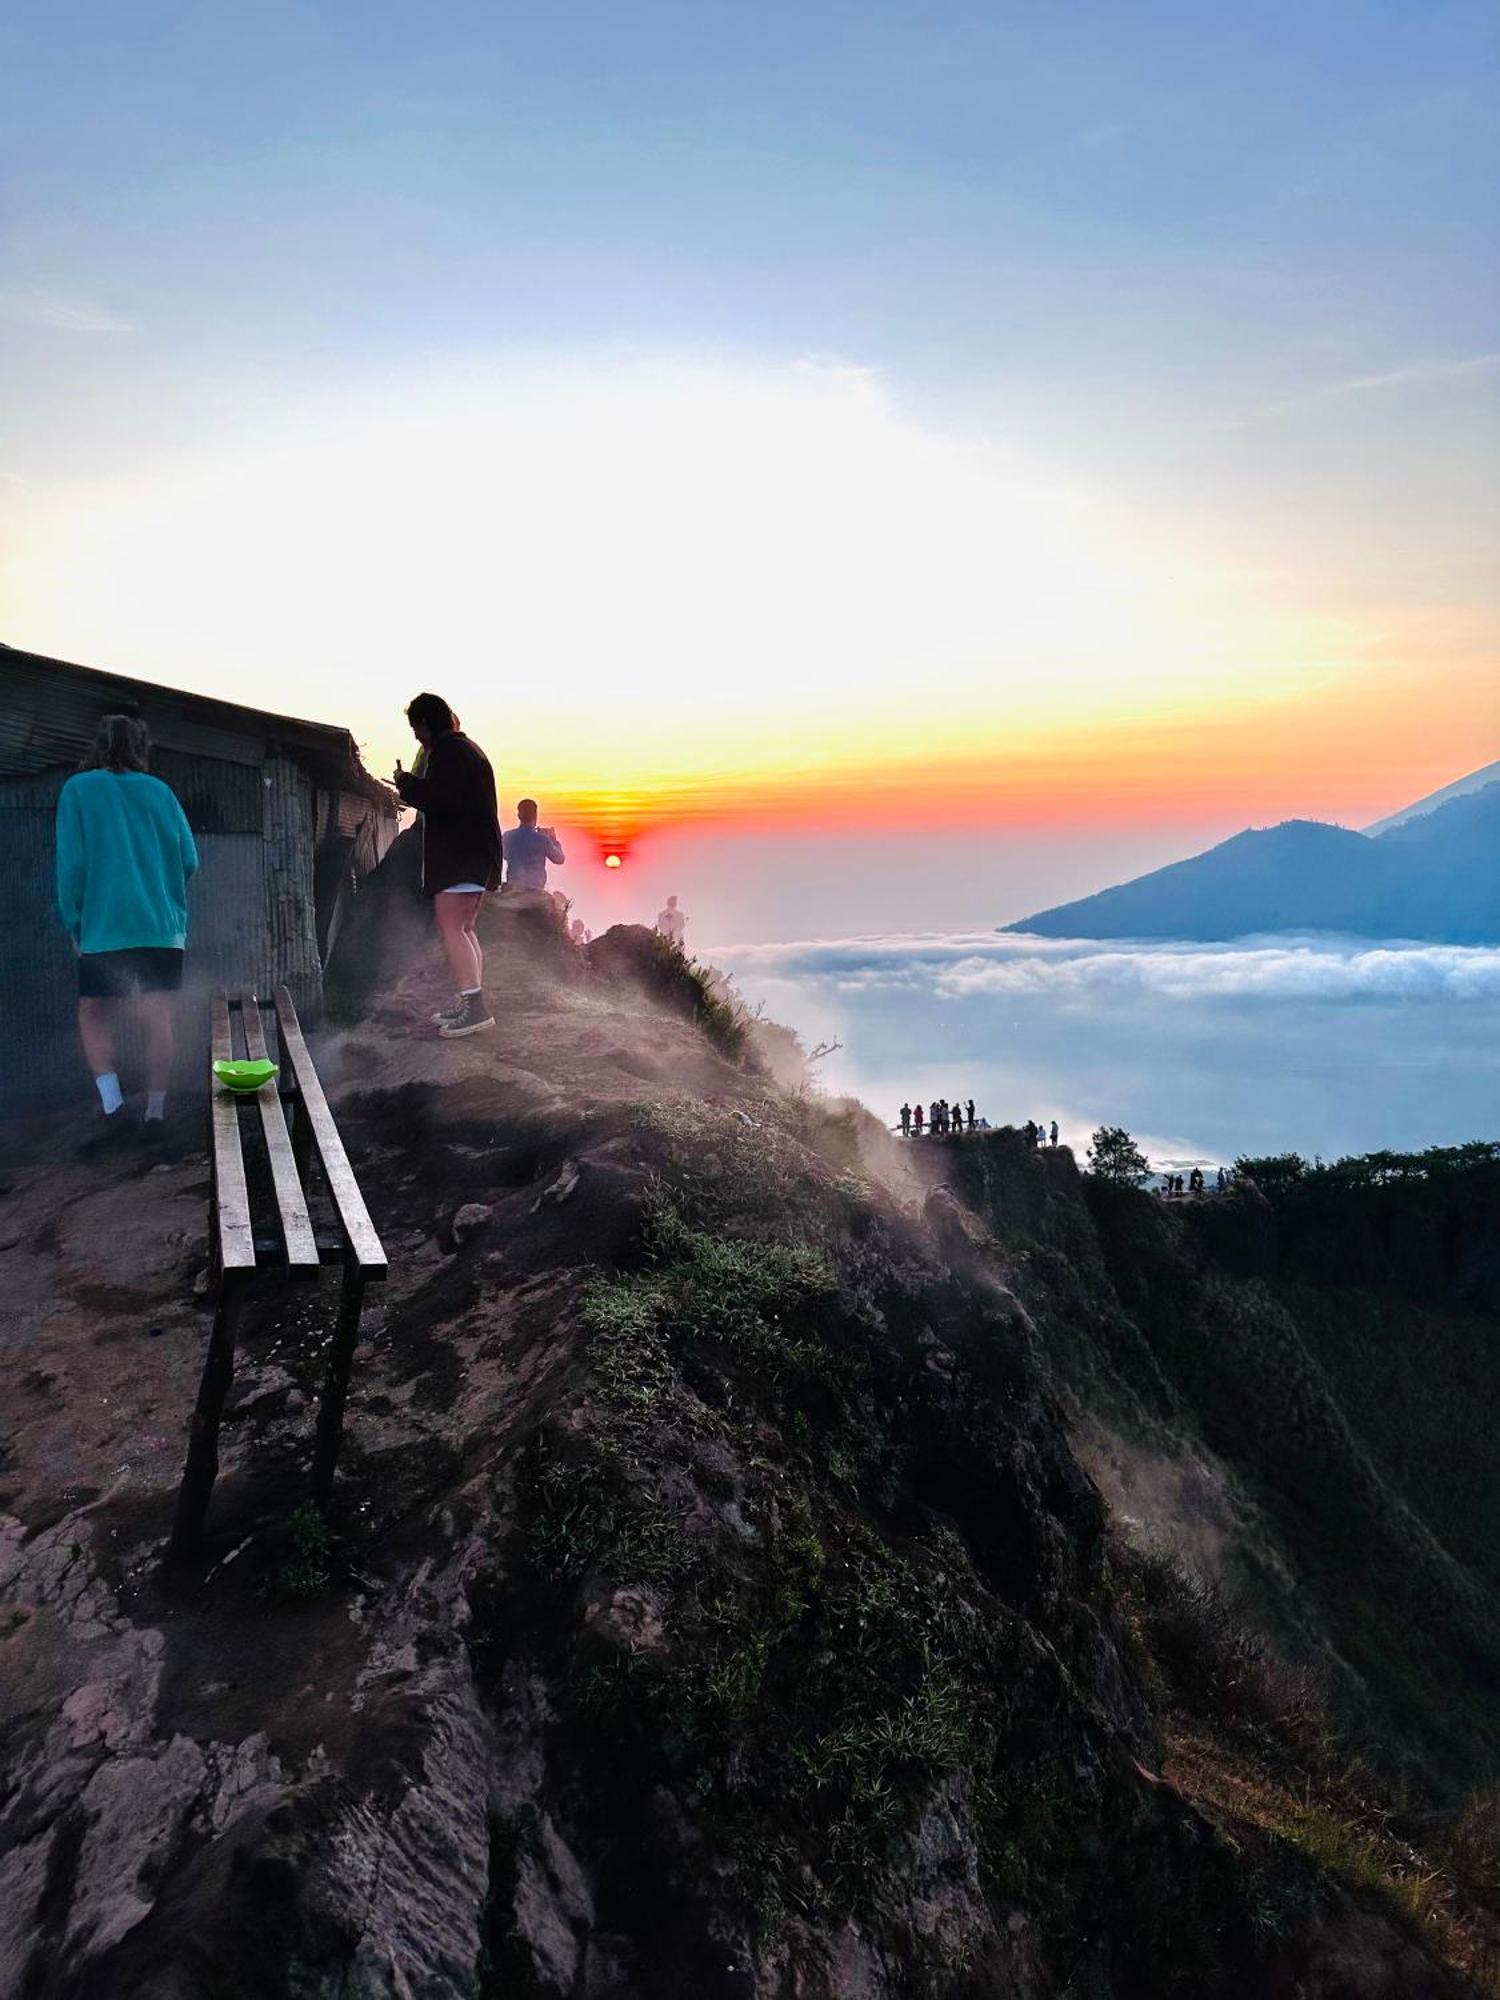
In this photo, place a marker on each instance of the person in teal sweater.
(124, 855)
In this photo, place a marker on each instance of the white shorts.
(463, 889)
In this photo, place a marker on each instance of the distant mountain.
(1433, 876)
(1475, 782)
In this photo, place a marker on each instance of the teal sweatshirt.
(124, 855)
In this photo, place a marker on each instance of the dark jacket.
(460, 823)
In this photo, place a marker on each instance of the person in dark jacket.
(461, 849)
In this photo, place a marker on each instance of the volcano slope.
(713, 1602)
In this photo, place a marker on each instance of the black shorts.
(115, 975)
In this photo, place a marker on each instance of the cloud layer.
(961, 967)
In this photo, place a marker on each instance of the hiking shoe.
(474, 1017)
(108, 1132)
(162, 1138)
(456, 1006)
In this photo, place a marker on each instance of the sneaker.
(107, 1133)
(474, 1017)
(161, 1138)
(456, 1006)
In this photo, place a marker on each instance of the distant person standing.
(670, 922)
(934, 1119)
(461, 850)
(1053, 1133)
(971, 1114)
(958, 1115)
(906, 1121)
(528, 849)
(916, 1119)
(124, 856)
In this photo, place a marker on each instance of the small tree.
(1114, 1156)
(1272, 1173)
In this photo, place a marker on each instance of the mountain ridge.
(1430, 877)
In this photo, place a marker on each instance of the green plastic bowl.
(245, 1077)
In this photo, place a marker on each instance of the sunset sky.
(875, 466)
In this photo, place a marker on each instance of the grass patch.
(313, 1559)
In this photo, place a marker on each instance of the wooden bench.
(291, 1245)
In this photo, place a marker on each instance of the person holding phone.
(528, 849)
(462, 850)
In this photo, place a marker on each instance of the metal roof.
(49, 710)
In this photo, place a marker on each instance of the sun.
(611, 860)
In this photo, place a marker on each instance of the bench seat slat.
(296, 1224)
(232, 1197)
(365, 1247)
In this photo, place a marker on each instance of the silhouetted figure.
(528, 849)
(917, 1120)
(1054, 1131)
(1222, 1180)
(461, 849)
(670, 922)
(934, 1118)
(971, 1114)
(906, 1121)
(1028, 1132)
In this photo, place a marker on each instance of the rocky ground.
(712, 1604)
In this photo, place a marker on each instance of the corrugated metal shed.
(49, 710)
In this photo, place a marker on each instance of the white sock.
(469, 992)
(110, 1094)
(156, 1104)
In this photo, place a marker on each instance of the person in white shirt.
(528, 849)
(670, 922)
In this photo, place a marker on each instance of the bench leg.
(336, 1383)
(202, 1466)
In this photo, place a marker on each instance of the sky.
(870, 467)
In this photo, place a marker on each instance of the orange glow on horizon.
(1346, 760)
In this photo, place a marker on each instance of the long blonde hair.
(120, 744)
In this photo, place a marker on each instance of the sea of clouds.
(1324, 1044)
(966, 965)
